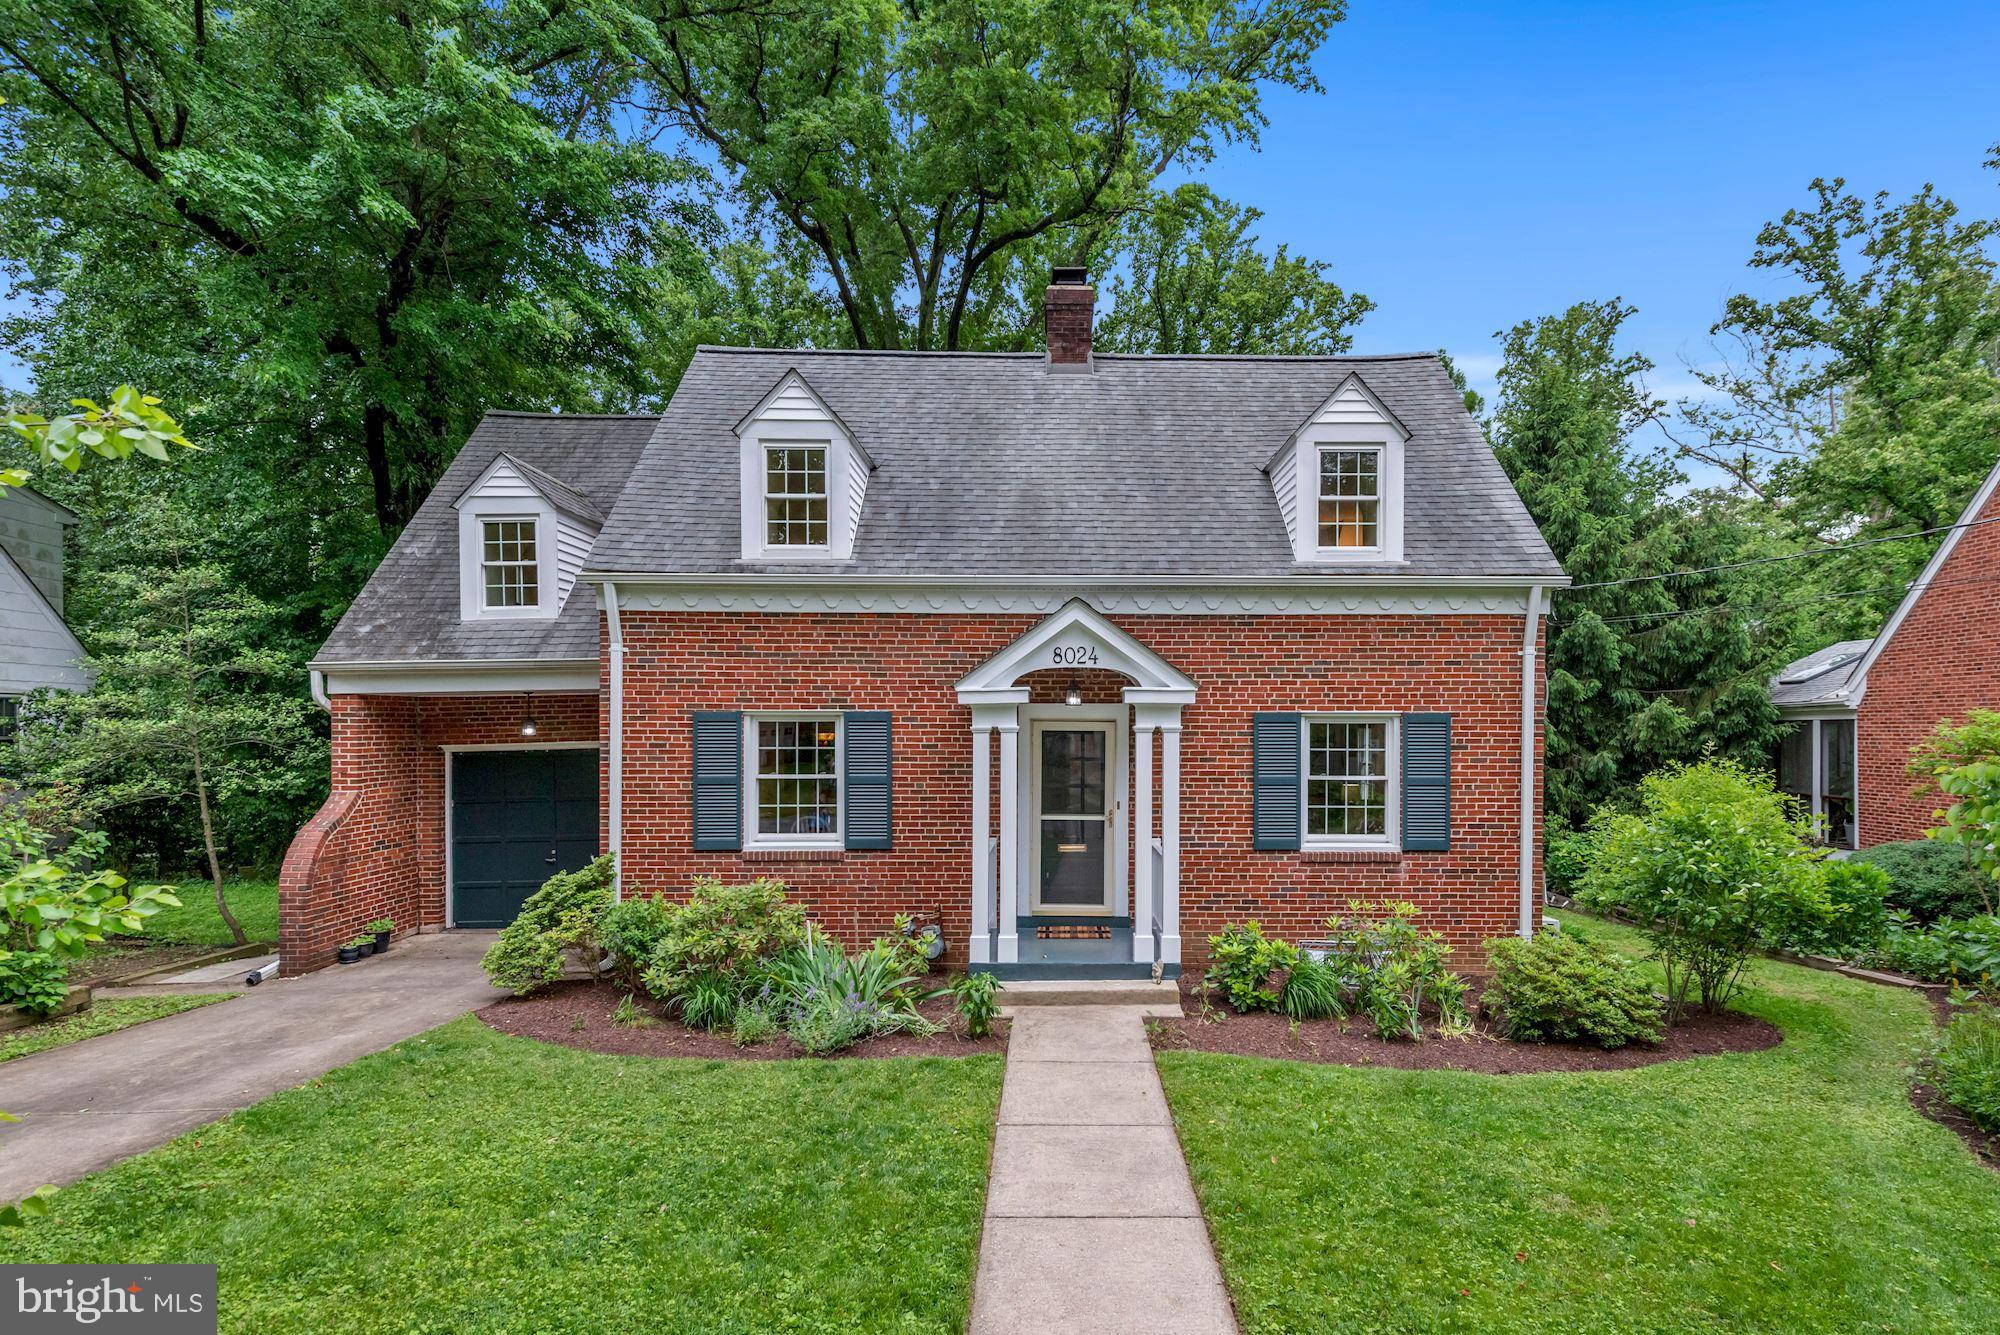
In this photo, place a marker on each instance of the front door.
(1072, 829)
(517, 818)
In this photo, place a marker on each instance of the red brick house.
(1858, 707)
(1080, 656)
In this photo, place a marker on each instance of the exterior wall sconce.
(1074, 695)
(528, 720)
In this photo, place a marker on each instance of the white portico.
(1077, 846)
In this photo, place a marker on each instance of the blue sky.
(1471, 165)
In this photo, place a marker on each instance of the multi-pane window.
(795, 503)
(1350, 498)
(508, 565)
(795, 777)
(10, 717)
(1347, 778)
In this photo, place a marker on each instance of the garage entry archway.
(516, 819)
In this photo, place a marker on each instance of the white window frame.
(1381, 452)
(1816, 779)
(752, 838)
(767, 444)
(10, 717)
(472, 522)
(1392, 778)
(534, 527)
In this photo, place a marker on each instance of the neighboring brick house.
(1081, 656)
(1860, 706)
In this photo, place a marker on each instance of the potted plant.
(381, 928)
(356, 949)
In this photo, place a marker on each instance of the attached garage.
(516, 818)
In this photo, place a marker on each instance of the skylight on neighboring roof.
(1839, 660)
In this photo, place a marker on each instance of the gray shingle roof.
(409, 609)
(559, 493)
(992, 464)
(1819, 675)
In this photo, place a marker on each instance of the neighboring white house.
(36, 647)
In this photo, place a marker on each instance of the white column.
(1142, 842)
(1010, 834)
(982, 837)
(1170, 841)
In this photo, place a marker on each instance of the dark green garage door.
(517, 818)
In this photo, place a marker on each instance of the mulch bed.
(1353, 1043)
(578, 1015)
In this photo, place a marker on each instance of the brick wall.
(1943, 660)
(376, 848)
(1467, 665)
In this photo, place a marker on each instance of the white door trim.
(1036, 719)
(450, 883)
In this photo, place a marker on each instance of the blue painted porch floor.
(1063, 958)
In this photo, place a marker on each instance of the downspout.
(316, 681)
(1530, 638)
(616, 763)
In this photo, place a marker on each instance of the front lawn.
(1793, 1189)
(469, 1181)
(103, 1017)
(196, 923)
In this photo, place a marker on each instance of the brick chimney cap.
(1069, 275)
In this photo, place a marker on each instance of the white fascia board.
(1304, 582)
(1858, 687)
(470, 677)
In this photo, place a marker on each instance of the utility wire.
(1677, 613)
(1769, 560)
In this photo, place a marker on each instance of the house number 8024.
(1075, 655)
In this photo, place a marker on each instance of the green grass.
(469, 1181)
(196, 923)
(105, 1017)
(1792, 1189)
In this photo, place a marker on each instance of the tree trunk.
(214, 863)
(375, 442)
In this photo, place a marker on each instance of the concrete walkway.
(1091, 1222)
(88, 1105)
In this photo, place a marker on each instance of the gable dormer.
(1339, 481)
(804, 477)
(523, 535)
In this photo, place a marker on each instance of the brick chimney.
(1067, 309)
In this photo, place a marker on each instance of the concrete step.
(1018, 994)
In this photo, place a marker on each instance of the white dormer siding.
(1339, 481)
(804, 478)
(505, 496)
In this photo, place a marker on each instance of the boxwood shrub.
(1928, 879)
(1558, 987)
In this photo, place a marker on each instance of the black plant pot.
(350, 954)
(381, 942)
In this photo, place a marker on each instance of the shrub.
(753, 1025)
(1566, 853)
(1857, 918)
(51, 901)
(630, 931)
(34, 981)
(557, 925)
(1559, 988)
(730, 931)
(1965, 952)
(1312, 991)
(1928, 878)
(1963, 763)
(974, 994)
(1714, 865)
(1243, 962)
(830, 1000)
(1965, 1065)
(1393, 969)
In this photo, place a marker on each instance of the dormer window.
(804, 477)
(509, 567)
(1350, 498)
(1338, 481)
(795, 495)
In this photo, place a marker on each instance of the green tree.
(182, 708)
(1194, 280)
(1645, 664)
(930, 156)
(1961, 763)
(358, 226)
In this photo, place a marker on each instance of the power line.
(1769, 560)
(1677, 613)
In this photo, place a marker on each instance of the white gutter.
(1305, 579)
(316, 681)
(1530, 635)
(616, 817)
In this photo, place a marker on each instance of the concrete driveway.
(88, 1105)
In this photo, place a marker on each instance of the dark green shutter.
(1275, 801)
(718, 782)
(1426, 783)
(865, 758)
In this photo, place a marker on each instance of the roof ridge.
(574, 417)
(1102, 356)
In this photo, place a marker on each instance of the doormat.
(1072, 932)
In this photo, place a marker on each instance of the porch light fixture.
(1074, 695)
(528, 721)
